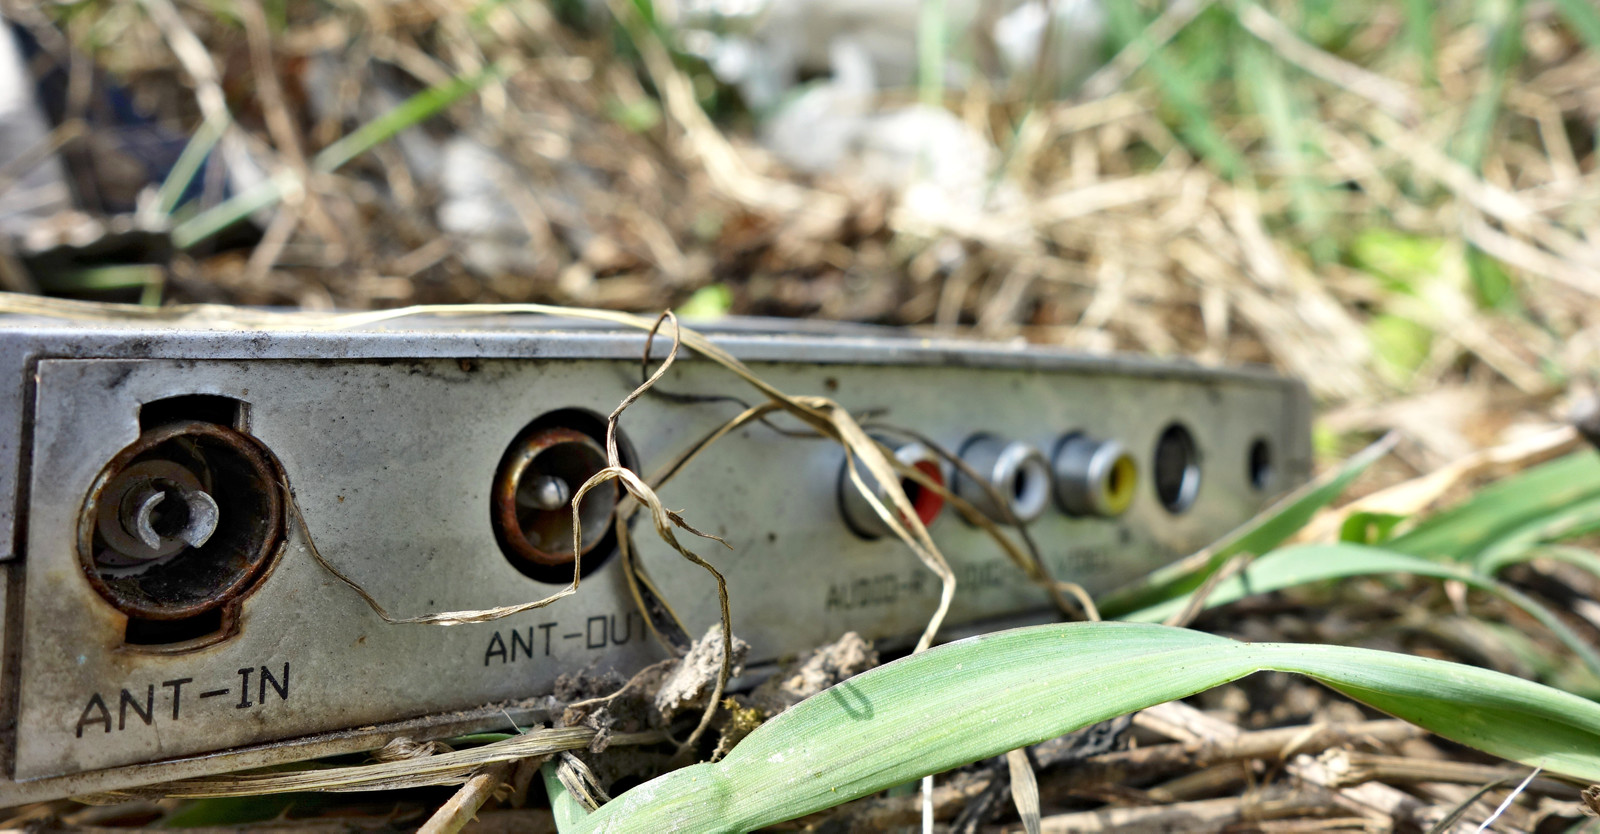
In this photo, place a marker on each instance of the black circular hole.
(1261, 472)
(1176, 468)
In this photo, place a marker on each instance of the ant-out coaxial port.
(858, 511)
(1094, 477)
(1016, 473)
(531, 502)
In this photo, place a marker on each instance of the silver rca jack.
(859, 513)
(1094, 477)
(1015, 472)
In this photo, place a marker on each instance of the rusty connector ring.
(532, 498)
(240, 481)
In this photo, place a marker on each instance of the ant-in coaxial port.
(182, 522)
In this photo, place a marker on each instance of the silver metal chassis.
(390, 439)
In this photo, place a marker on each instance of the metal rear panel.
(390, 441)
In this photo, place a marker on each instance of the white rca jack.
(1017, 471)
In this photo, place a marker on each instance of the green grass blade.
(207, 223)
(412, 111)
(188, 164)
(1419, 33)
(102, 278)
(1304, 565)
(1503, 21)
(1584, 18)
(1296, 566)
(1578, 557)
(1577, 519)
(1266, 79)
(1464, 531)
(1182, 92)
(1259, 535)
(976, 698)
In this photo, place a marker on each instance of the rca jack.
(1015, 472)
(1094, 477)
(859, 513)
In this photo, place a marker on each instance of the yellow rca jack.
(1094, 477)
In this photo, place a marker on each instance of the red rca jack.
(858, 512)
(1015, 472)
(1094, 477)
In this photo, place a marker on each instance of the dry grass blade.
(1197, 601)
(580, 782)
(1388, 95)
(1418, 494)
(1024, 789)
(1110, 78)
(450, 768)
(462, 807)
(439, 618)
(663, 519)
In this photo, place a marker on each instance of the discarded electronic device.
(164, 616)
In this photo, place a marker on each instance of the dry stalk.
(464, 805)
(449, 768)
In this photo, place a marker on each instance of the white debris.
(478, 211)
(40, 190)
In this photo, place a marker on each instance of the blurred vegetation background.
(1394, 201)
(1397, 202)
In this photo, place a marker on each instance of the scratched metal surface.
(391, 459)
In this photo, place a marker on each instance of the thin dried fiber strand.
(452, 768)
(664, 520)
